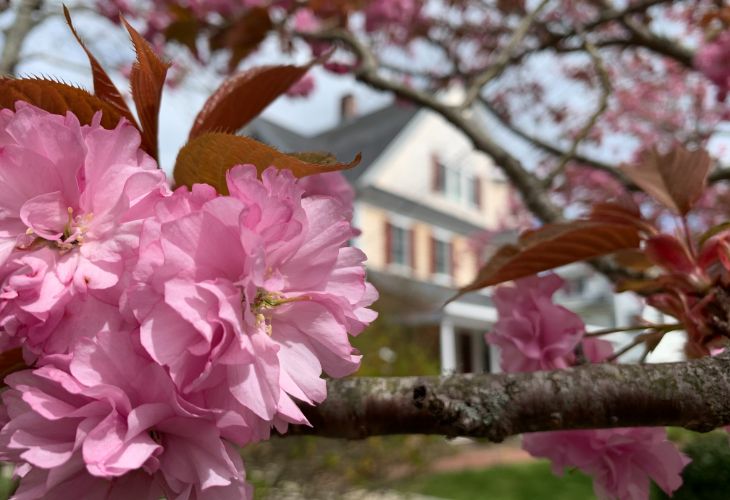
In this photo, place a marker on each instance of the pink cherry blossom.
(111, 413)
(303, 88)
(532, 332)
(246, 299)
(331, 184)
(713, 60)
(381, 14)
(305, 20)
(621, 461)
(70, 215)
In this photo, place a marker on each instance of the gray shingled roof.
(368, 134)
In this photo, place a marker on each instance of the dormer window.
(456, 185)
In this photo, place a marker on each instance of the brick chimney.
(348, 108)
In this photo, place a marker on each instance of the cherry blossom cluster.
(713, 60)
(533, 333)
(164, 329)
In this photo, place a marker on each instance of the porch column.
(447, 343)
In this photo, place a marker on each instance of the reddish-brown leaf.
(676, 179)
(670, 253)
(553, 246)
(184, 27)
(57, 98)
(207, 158)
(621, 212)
(104, 88)
(147, 80)
(11, 361)
(243, 35)
(242, 97)
(632, 259)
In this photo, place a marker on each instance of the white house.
(421, 192)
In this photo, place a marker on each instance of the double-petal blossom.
(71, 207)
(110, 422)
(621, 461)
(247, 298)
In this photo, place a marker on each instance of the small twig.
(16, 34)
(555, 151)
(635, 343)
(665, 327)
(643, 357)
(605, 81)
(641, 339)
(503, 59)
(643, 36)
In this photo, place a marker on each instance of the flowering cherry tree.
(150, 327)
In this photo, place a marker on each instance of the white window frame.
(457, 184)
(405, 224)
(445, 237)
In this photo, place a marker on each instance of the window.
(456, 184)
(398, 245)
(574, 287)
(441, 257)
(474, 191)
(452, 184)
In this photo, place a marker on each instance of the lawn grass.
(530, 481)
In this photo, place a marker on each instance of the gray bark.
(694, 395)
(16, 34)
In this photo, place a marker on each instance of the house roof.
(424, 303)
(413, 208)
(426, 296)
(368, 134)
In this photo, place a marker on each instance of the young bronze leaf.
(676, 179)
(147, 79)
(184, 27)
(553, 246)
(57, 98)
(207, 158)
(621, 212)
(242, 97)
(243, 35)
(316, 157)
(104, 88)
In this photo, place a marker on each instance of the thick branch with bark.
(16, 33)
(694, 395)
(530, 187)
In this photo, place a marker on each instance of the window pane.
(472, 187)
(399, 246)
(453, 184)
(442, 257)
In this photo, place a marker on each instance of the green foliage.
(321, 468)
(528, 481)
(415, 348)
(707, 477)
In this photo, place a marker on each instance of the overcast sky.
(51, 51)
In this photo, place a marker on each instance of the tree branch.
(605, 82)
(694, 395)
(367, 72)
(529, 186)
(16, 33)
(556, 151)
(643, 36)
(497, 68)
